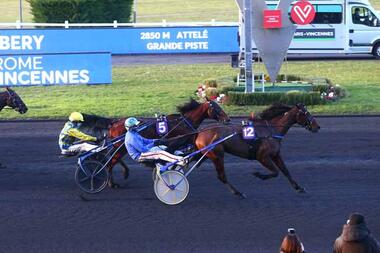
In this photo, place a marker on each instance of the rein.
(182, 119)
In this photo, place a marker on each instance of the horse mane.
(95, 121)
(273, 111)
(189, 106)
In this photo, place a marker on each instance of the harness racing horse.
(270, 127)
(11, 99)
(192, 114)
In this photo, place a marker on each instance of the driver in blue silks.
(142, 149)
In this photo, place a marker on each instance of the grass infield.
(145, 90)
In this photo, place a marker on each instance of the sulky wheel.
(176, 168)
(171, 187)
(91, 177)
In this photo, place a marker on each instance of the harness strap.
(182, 119)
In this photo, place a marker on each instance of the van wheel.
(376, 51)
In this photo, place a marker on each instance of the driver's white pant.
(156, 153)
(78, 148)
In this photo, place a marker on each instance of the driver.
(356, 16)
(142, 149)
(71, 134)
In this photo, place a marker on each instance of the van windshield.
(363, 16)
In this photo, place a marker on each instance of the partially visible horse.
(11, 99)
(270, 127)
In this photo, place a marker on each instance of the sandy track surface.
(41, 210)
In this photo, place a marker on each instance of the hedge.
(81, 11)
(259, 98)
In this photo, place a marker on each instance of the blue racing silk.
(136, 144)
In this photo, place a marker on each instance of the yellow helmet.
(76, 116)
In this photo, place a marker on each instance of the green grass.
(156, 10)
(145, 90)
(10, 11)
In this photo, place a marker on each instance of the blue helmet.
(131, 122)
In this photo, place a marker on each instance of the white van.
(363, 27)
(340, 26)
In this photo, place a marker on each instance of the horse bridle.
(15, 103)
(309, 117)
(215, 109)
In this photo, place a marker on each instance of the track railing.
(115, 24)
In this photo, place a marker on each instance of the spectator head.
(355, 219)
(291, 243)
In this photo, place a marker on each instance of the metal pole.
(248, 45)
(134, 11)
(20, 10)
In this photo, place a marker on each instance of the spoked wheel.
(172, 187)
(91, 177)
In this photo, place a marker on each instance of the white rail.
(115, 24)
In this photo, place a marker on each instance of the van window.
(364, 16)
(328, 14)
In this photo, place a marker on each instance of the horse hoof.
(301, 190)
(241, 195)
(83, 198)
(115, 186)
(258, 175)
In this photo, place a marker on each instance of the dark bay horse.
(190, 116)
(270, 127)
(11, 99)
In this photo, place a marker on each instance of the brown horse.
(270, 127)
(192, 114)
(11, 99)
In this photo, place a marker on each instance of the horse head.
(305, 119)
(215, 112)
(15, 102)
(197, 111)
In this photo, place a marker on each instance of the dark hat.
(356, 219)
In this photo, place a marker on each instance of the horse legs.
(113, 162)
(125, 169)
(267, 162)
(219, 166)
(281, 165)
(117, 159)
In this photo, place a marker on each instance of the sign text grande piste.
(176, 40)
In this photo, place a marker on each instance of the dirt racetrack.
(41, 211)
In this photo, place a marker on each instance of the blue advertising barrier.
(156, 40)
(55, 69)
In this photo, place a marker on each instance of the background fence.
(155, 10)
